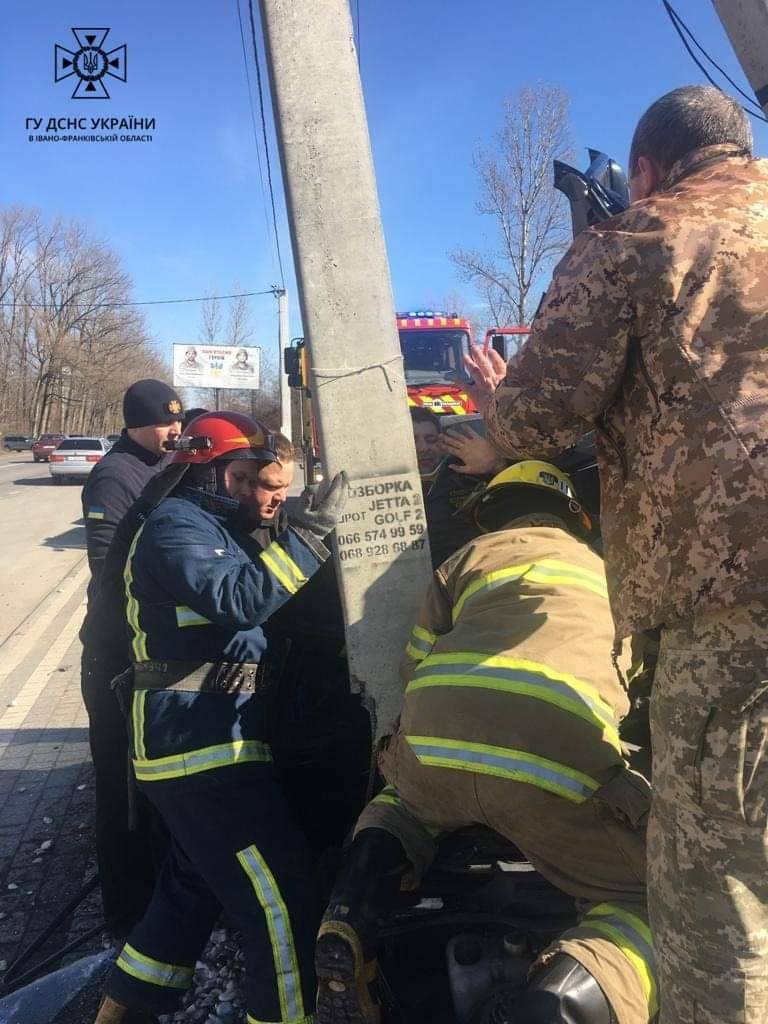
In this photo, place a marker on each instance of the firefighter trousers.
(128, 858)
(708, 834)
(594, 850)
(234, 846)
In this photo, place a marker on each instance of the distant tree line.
(67, 349)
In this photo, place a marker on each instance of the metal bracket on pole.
(358, 391)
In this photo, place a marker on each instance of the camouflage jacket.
(654, 331)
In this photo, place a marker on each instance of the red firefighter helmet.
(217, 434)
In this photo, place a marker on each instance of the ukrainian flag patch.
(96, 512)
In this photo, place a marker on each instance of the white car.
(75, 457)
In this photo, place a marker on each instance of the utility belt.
(199, 676)
(189, 677)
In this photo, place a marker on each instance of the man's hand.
(488, 370)
(320, 509)
(477, 455)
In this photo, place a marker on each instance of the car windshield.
(80, 444)
(433, 357)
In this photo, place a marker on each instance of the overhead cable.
(255, 134)
(266, 141)
(682, 30)
(148, 302)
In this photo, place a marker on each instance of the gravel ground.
(216, 995)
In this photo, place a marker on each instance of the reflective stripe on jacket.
(200, 590)
(508, 670)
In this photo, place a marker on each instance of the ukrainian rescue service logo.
(91, 63)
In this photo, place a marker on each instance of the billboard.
(216, 366)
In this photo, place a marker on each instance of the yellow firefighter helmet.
(527, 488)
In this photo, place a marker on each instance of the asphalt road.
(42, 538)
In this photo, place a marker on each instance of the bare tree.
(210, 320)
(68, 345)
(531, 223)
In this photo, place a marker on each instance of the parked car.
(18, 443)
(45, 445)
(112, 438)
(75, 457)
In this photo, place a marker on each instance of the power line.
(682, 30)
(255, 132)
(148, 302)
(266, 141)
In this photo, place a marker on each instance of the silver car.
(75, 457)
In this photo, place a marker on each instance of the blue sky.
(186, 212)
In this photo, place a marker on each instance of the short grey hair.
(686, 119)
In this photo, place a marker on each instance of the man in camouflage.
(653, 331)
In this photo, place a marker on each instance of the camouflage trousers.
(707, 838)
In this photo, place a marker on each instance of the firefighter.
(126, 857)
(510, 719)
(205, 571)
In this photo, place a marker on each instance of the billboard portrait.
(216, 366)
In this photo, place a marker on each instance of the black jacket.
(112, 487)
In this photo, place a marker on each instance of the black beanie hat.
(148, 403)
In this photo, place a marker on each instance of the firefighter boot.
(345, 956)
(111, 1012)
(562, 992)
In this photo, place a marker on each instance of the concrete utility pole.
(746, 22)
(283, 336)
(349, 321)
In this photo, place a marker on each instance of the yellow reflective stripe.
(95, 513)
(633, 937)
(506, 763)
(550, 570)
(186, 616)
(282, 555)
(301, 1020)
(204, 759)
(280, 932)
(137, 718)
(525, 678)
(388, 795)
(139, 642)
(420, 644)
(279, 573)
(546, 571)
(153, 972)
(486, 582)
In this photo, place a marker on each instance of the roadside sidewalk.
(46, 791)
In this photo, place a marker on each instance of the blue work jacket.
(200, 589)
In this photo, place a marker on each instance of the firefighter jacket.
(653, 331)
(200, 590)
(509, 671)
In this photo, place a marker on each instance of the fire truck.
(433, 345)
